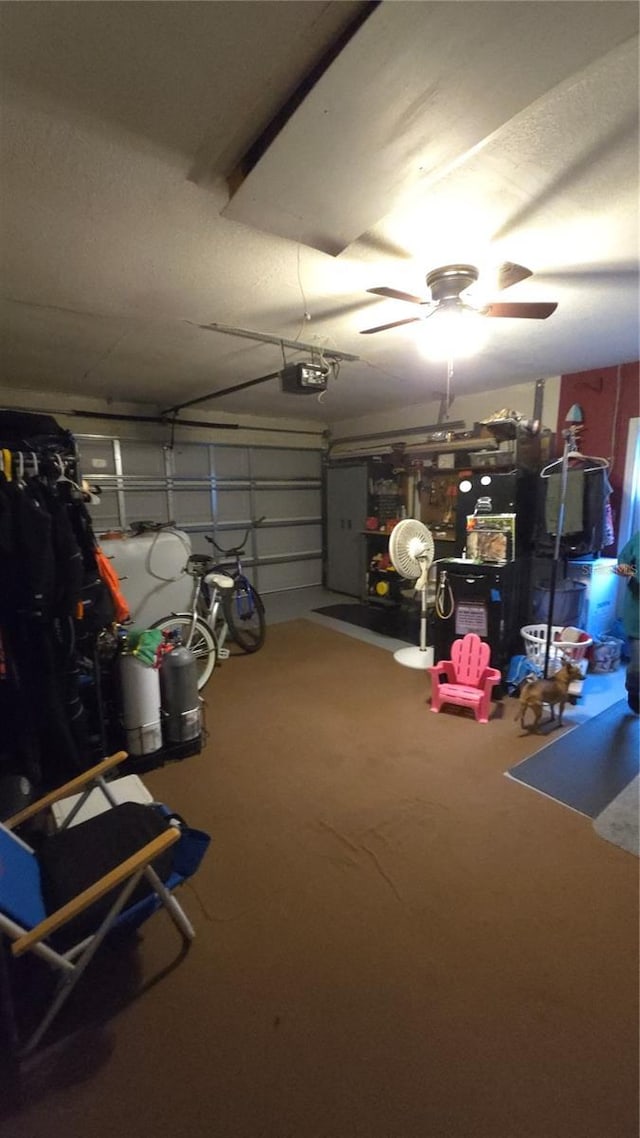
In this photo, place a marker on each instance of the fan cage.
(408, 565)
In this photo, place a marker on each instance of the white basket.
(535, 643)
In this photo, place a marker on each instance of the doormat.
(588, 767)
(385, 621)
(620, 820)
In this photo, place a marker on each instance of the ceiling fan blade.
(395, 295)
(592, 276)
(384, 327)
(534, 311)
(510, 274)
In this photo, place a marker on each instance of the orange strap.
(112, 581)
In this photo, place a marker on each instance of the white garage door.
(212, 488)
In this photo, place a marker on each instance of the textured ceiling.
(448, 136)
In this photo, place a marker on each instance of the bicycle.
(224, 604)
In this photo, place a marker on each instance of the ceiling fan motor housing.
(449, 281)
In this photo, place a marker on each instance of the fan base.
(414, 657)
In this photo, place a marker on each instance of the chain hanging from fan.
(447, 285)
(411, 551)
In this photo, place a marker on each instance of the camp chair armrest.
(115, 877)
(72, 787)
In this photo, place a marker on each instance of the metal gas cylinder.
(141, 705)
(180, 700)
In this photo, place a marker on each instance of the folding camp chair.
(64, 922)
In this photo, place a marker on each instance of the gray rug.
(589, 767)
(619, 822)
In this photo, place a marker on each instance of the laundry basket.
(535, 643)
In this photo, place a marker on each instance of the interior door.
(346, 512)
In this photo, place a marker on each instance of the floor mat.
(586, 768)
(619, 822)
(385, 621)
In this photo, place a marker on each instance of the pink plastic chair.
(466, 679)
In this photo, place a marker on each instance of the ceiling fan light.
(453, 332)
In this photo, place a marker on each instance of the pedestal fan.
(411, 552)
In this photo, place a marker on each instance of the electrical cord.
(444, 603)
(170, 528)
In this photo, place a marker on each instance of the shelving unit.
(438, 508)
(366, 496)
(382, 583)
(387, 503)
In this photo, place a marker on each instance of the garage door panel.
(142, 458)
(287, 503)
(96, 457)
(146, 505)
(105, 515)
(294, 575)
(192, 461)
(202, 485)
(232, 506)
(277, 540)
(199, 544)
(192, 507)
(230, 462)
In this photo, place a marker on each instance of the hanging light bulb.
(454, 331)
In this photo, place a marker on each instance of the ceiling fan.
(449, 282)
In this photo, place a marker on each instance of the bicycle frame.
(206, 605)
(213, 607)
(233, 566)
(224, 606)
(211, 610)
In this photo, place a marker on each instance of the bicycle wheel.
(202, 643)
(244, 614)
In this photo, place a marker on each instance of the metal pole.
(265, 338)
(568, 442)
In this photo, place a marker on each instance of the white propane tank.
(141, 706)
(180, 700)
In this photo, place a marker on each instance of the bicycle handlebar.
(237, 549)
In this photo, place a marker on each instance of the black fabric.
(26, 572)
(53, 605)
(73, 859)
(42, 691)
(19, 741)
(67, 558)
(29, 430)
(591, 538)
(98, 609)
